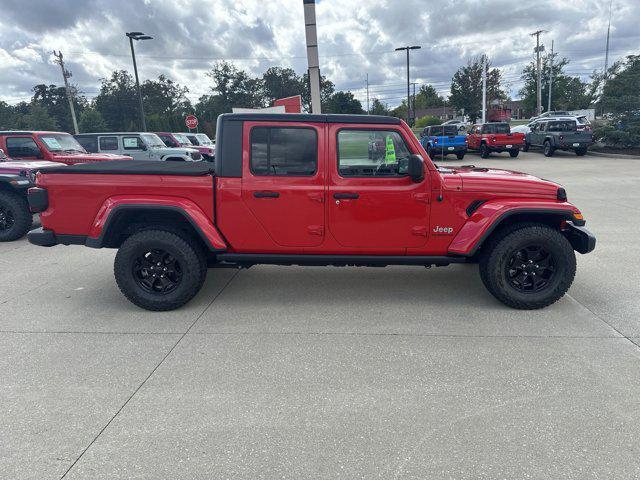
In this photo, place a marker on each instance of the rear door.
(372, 203)
(283, 180)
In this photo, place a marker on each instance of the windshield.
(182, 139)
(203, 139)
(61, 142)
(152, 140)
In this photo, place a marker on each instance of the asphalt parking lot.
(291, 372)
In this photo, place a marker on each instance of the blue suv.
(443, 140)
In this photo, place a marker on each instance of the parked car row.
(547, 132)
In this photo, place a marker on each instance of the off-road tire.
(514, 153)
(484, 151)
(460, 156)
(429, 151)
(581, 152)
(15, 207)
(186, 253)
(525, 147)
(499, 249)
(547, 149)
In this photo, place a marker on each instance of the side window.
(19, 147)
(108, 143)
(90, 144)
(131, 143)
(168, 141)
(366, 153)
(284, 151)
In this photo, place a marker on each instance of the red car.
(181, 140)
(494, 137)
(53, 146)
(302, 190)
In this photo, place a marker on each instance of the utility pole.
(368, 110)
(538, 49)
(313, 58)
(550, 77)
(65, 75)
(413, 99)
(484, 88)
(407, 48)
(138, 36)
(606, 54)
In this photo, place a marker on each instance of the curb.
(614, 155)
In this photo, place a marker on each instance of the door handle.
(266, 194)
(341, 196)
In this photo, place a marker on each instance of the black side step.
(337, 260)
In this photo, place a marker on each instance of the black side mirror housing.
(143, 146)
(415, 169)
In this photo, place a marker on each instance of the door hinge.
(421, 197)
(420, 231)
(315, 230)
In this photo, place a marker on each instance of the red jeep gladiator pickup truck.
(295, 189)
(494, 137)
(53, 146)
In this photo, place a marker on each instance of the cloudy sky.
(355, 38)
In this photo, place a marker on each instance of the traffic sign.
(191, 121)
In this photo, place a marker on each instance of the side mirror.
(3, 156)
(143, 146)
(415, 169)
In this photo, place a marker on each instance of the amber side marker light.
(578, 216)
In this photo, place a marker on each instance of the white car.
(462, 126)
(522, 129)
(139, 145)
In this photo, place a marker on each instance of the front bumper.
(581, 239)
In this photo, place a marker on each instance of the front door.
(23, 148)
(473, 139)
(283, 180)
(372, 202)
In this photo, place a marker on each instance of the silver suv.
(139, 145)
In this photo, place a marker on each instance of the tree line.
(116, 107)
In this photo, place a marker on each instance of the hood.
(80, 157)
(493, 180)
(17, 167)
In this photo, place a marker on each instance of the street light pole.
(407, 48)
(138, 36)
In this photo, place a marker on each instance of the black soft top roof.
(138, 167)
(310, 118)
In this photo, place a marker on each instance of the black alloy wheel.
(157, 271)
(530, 269)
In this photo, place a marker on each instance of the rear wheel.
(15, 217)
(484, 151)
(514, 153)
(460, 156)
(548, 150)
(429, 151)
(581, 152)
(529, 266)
(159, 270)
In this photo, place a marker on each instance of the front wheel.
(528, 267)
(548, 149)
(514, 153)
(484, 151)
(158, 270)
(15, 217)
(525, 147)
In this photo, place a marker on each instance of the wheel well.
(550, 219)
(124, 223)
(174, 159)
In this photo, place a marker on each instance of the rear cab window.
(108, 143)
(369, 153)
(283, 151)
(90, 144)
(562, 126)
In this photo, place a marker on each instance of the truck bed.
(138, 167)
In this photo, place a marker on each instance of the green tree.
(343, 102)
(8, 116)
(379, 108)
(91, 121)
(37, 118)
(427, 121)
(569, 93)
(118, 102)
(428, 97)
(327, 88)
(466, 88)
(54, 99)
(165, 97)
(278, 82)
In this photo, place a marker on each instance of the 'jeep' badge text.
(438, 230)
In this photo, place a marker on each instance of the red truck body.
(329, 216)
(41, 145)
(494, 137)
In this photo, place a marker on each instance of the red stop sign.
(191, 121)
